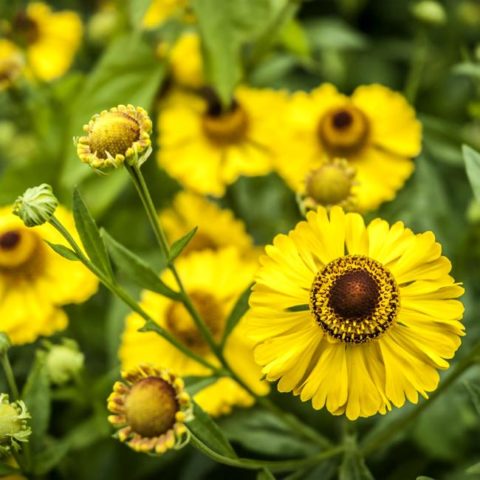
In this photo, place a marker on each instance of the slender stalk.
(253, 464)
(385, 435)
(12, 384)
(417, 67)
(127, 299)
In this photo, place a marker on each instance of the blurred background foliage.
(431, 54)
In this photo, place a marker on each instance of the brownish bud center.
(25, 28)
(10, 240)
(225, 127)
(354, 294)
(113, 132)
(151, 406)
(342, 119)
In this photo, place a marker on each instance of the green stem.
(417, 66)
(252, 464)
(385, 435)
(12, 384)
(144, 194)
(127, 299)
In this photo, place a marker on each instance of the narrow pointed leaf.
(90, 235)
(299, 308)
(177, 248)
(238, 311)
(196, 384)
(136, 269)
(208, 432)
(63, 251)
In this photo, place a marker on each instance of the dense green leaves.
(136, 269)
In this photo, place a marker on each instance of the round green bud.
(36, 206)
(64, 362)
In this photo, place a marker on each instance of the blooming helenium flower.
(354, 318)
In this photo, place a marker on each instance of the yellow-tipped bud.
(13, 424)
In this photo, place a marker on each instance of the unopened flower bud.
(13, 424)
(36, 206)
(64, 361)
(429, 12)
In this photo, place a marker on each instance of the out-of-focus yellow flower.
(51, 39)
(161, 10)
(207, 149)
(217, 227)
(151, 408)
(214, 281)
(11, 63)
(375, 130)
(35, 281)
(115, 136)
(352, 317)
(186, 62)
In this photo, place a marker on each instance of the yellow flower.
(35, 281)
(161, 10)
(214, 281)
(115, 136)
(51, 39)
(151, 408)
(375, 130)
(186, 61)
(354, 318)
(11, 63)
(217, 227)
(207, 149)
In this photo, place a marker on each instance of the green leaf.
(353, 464)
(137, 10)
(468, 69)
(334, 34)
(238, 311)
(472, 164)
(8, 470)
(208, 432)
(128, 72)
(265, 474)
(136, 269)
(36, 395)
(90, 235)
(178, 246)
(299, 308)
(262, 432)
(474, 391)
(196, 384)
(48, 458)
(423, 477)
(63, 251)
(474, 469)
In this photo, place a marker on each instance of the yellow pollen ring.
(343, 130)
(226, 128)
(354, 299)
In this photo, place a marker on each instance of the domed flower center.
(17, 247)
(180, 322)
(354, 299)
(225, 127)
(26, 28)
(354, 294)
(344, 130)
(113, 133)
(330, 184)
(151, 406)
(199, 242)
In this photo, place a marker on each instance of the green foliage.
(178, 246)
(472, 163)
(238, 311)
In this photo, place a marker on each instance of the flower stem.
(385, 435)
(12, 384)
(127, 299)
(279, 465)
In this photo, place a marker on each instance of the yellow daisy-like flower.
(186, 62)
(214, 281)
(51, 39)
(161, 10)
(115, 136)
(355, 318)
(217, 227)
(35, 281)
(375, 130)
(11, 63)
(206, 149)
(151, 408)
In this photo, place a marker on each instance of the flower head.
(36, 206)
(12, 63)
(115, 136)
(14, 428)
(150, 408)
(161, 10)
(375, 130)
(35, 281)
(214, 280)
(354, 318)
(328, 185)
(230, 143)
(63, 361)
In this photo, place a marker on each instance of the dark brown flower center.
(25, 28)
(342, 119)
(354, 294)
(10, 240)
